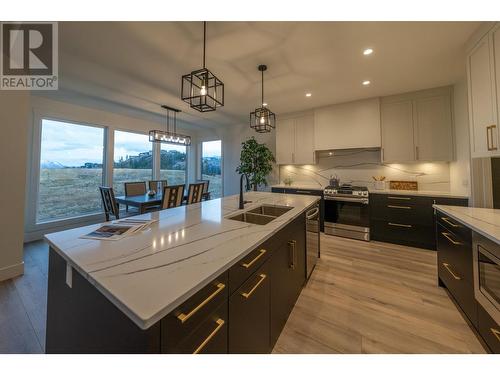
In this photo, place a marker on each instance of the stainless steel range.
(347, 211)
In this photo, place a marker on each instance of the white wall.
(460, 168)
(14, 111)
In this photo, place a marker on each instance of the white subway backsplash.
(359, 165)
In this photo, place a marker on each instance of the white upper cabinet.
(417, 126)
(397, 131)
(348, 125)
(295, 139)
(481, 62)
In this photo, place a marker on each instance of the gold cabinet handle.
(400, 207)
(447, 221)
(447, 235)
(250, 292)
(400, 198)
(493, 147)
(248, 265)
(291, 258)
(183, 317)
(488, 138)
(496, 332)
(448, 268)
(416, 153)
(219, 323)
(400, 225)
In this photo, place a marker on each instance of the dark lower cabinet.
(249, 310)
(489, 330)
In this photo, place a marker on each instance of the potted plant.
(256, 162)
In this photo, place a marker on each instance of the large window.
(211, 166)
(71, 158)
(173, 164)
(133, 159)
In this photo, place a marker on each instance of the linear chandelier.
(262, 119)
(167, 136)
(201, 89)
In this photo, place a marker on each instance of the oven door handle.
(312, 214)
(346, 199)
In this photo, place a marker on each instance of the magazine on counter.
(118, 229)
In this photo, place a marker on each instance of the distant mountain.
(47, 164)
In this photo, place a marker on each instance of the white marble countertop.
(429, 193)
(299, 186)
(485, 221)
(150, 273)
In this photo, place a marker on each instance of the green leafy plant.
(256, 162)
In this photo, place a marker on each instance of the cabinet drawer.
(210, 337)
(186, 318)
(249, 314)
(454, 226)
(456, 250)
(242, 270)
(403, 232)
(489, 330)
(462, 291)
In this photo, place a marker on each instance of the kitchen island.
(170, 288)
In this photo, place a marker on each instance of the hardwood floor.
(362, 298)
(375, 298)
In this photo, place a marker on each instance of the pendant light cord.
(262, 88)
(204, 40)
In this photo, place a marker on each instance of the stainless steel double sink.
(261, 215)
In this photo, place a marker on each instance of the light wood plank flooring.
(362, 298)
(375, 298)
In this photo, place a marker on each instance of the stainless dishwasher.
(312, 238)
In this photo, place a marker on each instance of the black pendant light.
(170, 136)
(201, 89)
(262, 119)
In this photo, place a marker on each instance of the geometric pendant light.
(201, 89)
(170, 135)
(262, 119)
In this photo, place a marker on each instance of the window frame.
(199, 168)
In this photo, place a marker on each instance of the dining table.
(142, 202)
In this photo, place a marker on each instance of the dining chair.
(157, 185)
(206, 193)
(195, 193)
(172, 196)
(135, 188)
(109, 203)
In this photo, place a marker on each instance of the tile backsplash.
(357, 166)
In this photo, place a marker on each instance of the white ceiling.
(138, 65)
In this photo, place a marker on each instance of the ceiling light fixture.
(262, 119)
(167, 136)
(367, 51)
(366, 83)
(201, 89)
(308, 94)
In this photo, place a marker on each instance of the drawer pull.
(183, 317)
(291, 257)
(401, 207)
(261, 253)
(447, 221)
(447, 235)
(304, 192)
(400, 198)
(219, 323)
(448, 268)
(400, 225)
(496, 332)
(250, 292)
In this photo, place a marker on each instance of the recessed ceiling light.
(367, 51)
(366, 83)
(308, 94)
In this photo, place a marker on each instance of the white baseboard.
(11, 271)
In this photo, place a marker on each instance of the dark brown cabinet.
(406, 219)
(489, 330)
(249, 310)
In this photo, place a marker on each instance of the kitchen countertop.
(299, 186)
(429, 193)
(485, 221)
(150, 273)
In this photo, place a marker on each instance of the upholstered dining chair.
(172, 196)
(157, 185)
(195, 193)
(206, 193)
(109, 203)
